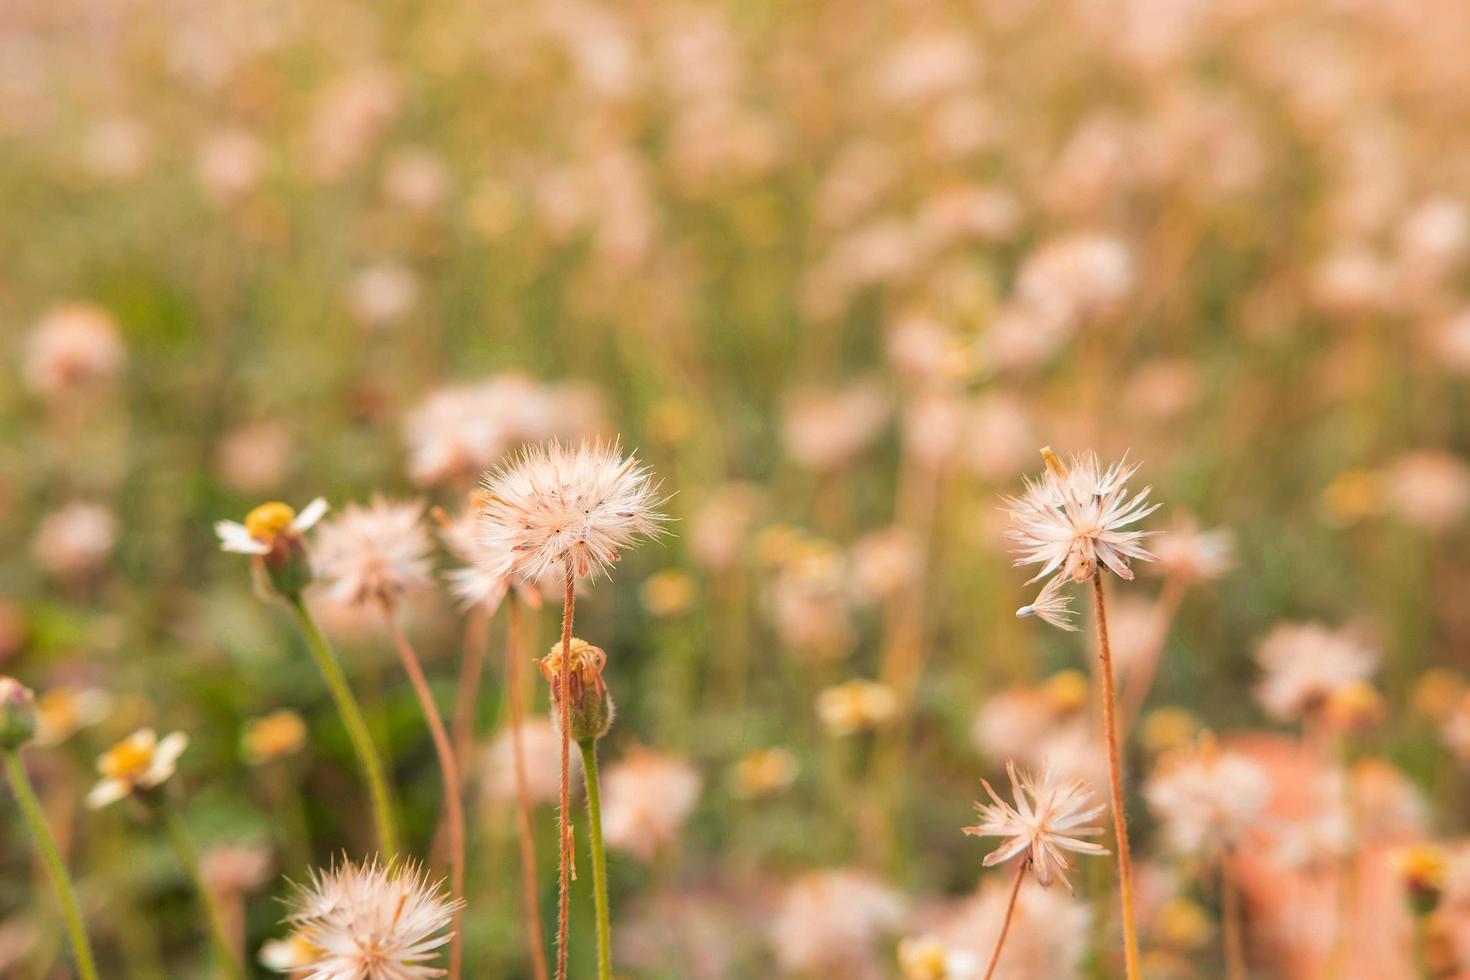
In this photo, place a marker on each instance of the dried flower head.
(578, 506)
(1042, 826)
(646, 799)
(1072, 521)
(139, 762)
(374, 553)
(369, 922)
(1304, 664)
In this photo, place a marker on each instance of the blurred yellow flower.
(273, 736)
(856, 706)
(764, 772)
(139, 762)
(668, 593)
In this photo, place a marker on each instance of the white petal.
(309, 515)
(106, 792)
(233, 537)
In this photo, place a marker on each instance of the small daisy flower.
(268, 525)
(139, 762)
(1050, 822)
(926, 958)
(370, 923)
(374, 553)
(578, 506)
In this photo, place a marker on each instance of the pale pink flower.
(541, 749)
(374, 553)
(1190, 554)
(1048, 819)
(1001, 437)
(829, 923)
(253, 458)
(580, 507)
(116, 148)
(884, 563)
(719, 530)
(382, 294)
(826, 430)
(73, 348)
(368, 922)
(1207, 801)
(75, 540)
(1077, 277)
(480, 581)
(1428, 488)
(1012, 724)
(237, 869)
(1303, 664)
(415, 179)
(228, 164)
(350, 115)
(646, 799)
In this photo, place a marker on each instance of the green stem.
(219, 933)
(357, 730)
(55, 866)
(599, 857)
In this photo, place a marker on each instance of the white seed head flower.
(579, 506)
(1207, 801)
(480, 581)
(374, 553)
(1304, 664)
(1074, 520)
(1048, 819)
(140, 761)
(370, 923)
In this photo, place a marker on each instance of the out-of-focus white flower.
(75, 540)
(140, 761)
(541, 748)
(415, 179)
(1049, 931)
(252, 458)
(825, 430)
(1208, 801)
(116, 148)
(646, 799)
(1048, 819)
(382, 294)
(1303, 664)
(927, 958)
(229, 164)
(290, 955)
(1428, 488)
(829, 923)
(374, 553)
(1193, 555)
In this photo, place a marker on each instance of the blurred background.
(835, 272)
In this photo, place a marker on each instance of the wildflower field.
(928, 489)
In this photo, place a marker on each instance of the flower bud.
(17, 714)
(590, 707)
(1423, 869)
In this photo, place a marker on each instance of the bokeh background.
(836, 272)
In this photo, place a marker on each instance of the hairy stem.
(1115, 781)
(449, 771)
(357, 729)
(66, 896)
(564, 808)
(1005, 925)
(599, 858)
(530, 893)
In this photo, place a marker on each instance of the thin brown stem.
(1230, 916)
(1005, 925)
(449, 772)
(467, 692)
(1115, 781)
(564, 808)
(530, 892)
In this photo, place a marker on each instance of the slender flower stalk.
(449, 771)
(530, 892)
(1115, 782)
(1230, 916)
(1005, 925)
(219, 932)
(599, 857)
(66, 897)
(356, 725)
(467, 689)
(564, 804)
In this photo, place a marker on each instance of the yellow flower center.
(269, 520)
(127, 759)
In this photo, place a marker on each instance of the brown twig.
(1005, 925)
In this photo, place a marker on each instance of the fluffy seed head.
(377, 552)
(370, 923)
(579, 506)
